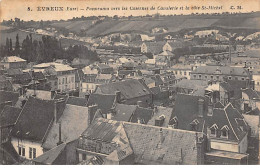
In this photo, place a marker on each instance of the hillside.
(171, 23)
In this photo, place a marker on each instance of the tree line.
(45, 50)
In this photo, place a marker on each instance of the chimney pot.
(201, 108)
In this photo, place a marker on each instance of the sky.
(27, 9)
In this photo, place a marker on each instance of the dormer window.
(194, 125)
(213, 130)
(224, 131)
(173, 122)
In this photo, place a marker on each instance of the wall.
(27, 144)
(256, 78)
(64, 85)
(225, 146)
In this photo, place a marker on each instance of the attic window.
(224, 131)
(213, 130)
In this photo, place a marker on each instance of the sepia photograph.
(127, 82)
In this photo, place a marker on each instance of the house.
(165, 58)
(131, 91)
(33, 125)
(182, 70)
(13, 62)
(152, 47)
(171, 46)
(5, 83)
(120, 143)
(64, 73)
(220, 73)
(226, 129)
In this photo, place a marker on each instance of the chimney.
(161, 139)
(201, 109)
(59, 142)
(55, 111)
(200, 149)
(139, 103)
(91, 112)
(118, 96)
(210, 109)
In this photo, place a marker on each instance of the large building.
(13, 62)
(220, 73)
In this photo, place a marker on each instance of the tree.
(17, 45)
(11, 46)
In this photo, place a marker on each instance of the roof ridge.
(230, 122)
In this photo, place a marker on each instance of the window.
(84, 157)
(185, 73)
(217, 77)
(30, 153)
(63, 80)
(34, 152)
(224, 133)
(194, 76)
(200, 76)
(257, 83)
(176, 72)
(23, 151)
(66, 80)
(211, 76)
(206, 77)
(213, 132)
(20, 150)
(229, 77)
(242, 78)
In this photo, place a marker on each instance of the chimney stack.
(161, 138)
(210, 109)
(91, 112)
(201, 108)
(59, 142)
(55, 111)
(118, 96)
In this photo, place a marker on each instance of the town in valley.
(131, 90)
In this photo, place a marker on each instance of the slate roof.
(191, 84)
(103, 101)
(230, 117)
(38, 76)
(9, 115)
(186, 110)
(236, 86)
(74, 121)
(129, 89)
(143, 114)
(12, 72)
(225, 70)
(167, 112)
(226, 86)
(8, 96)
(78, 101)
(35, 119)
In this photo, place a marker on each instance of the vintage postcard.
(127, 82)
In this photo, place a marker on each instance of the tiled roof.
(129, 89)
(74, 121)
(50, 156)
(103, 101)
(9, 115)
(149, 144)
(35, 119)
(156, 145)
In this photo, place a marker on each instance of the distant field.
(74, 26)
